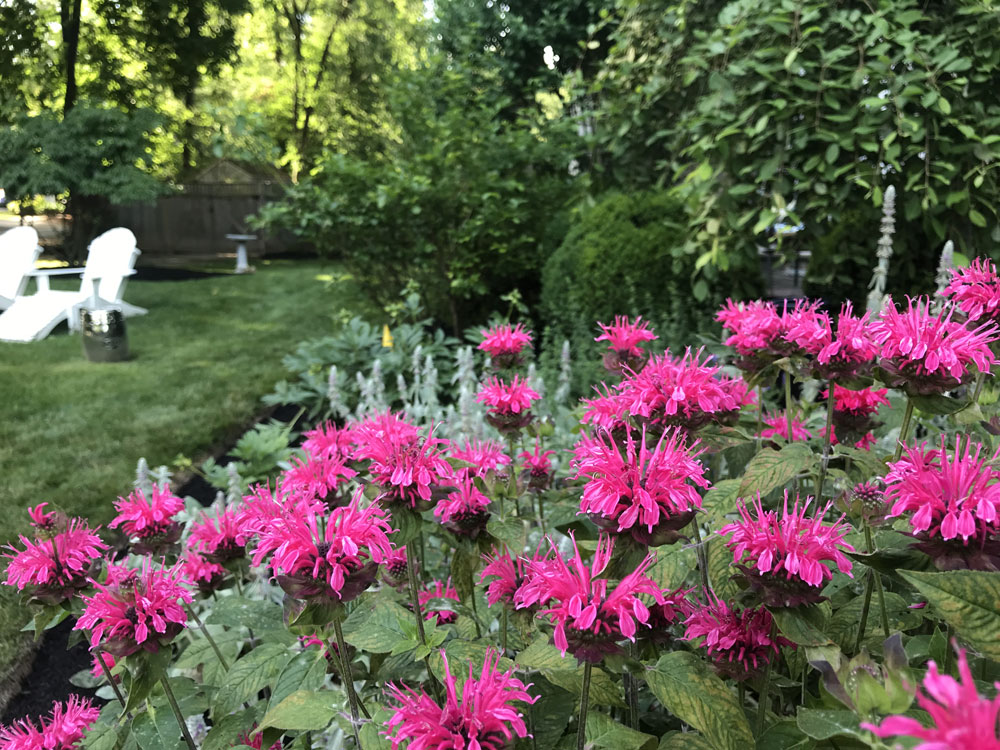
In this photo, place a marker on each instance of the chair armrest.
(55, 271)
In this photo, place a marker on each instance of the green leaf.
(460, 655)
(510, 531)
(832, 152)
(239, 612)
(720, 570)
(784, 735)
(673, 563)
(371, 731)
(225, 732)
(550, 715)
(463, 570)
(823, 724)
(938, 403)
(684, 741)
(156, 729)
(802, 625)
(103, 736)
(248, 676)
(375, 625)
(564, 672)
(407, 523)
(721, 499)
(302, 711)
(688, 688)
(144, 671)
(977, 218)
(603, 731)
(771, 469)
(200, 653)
(968, 600)
(305, 671)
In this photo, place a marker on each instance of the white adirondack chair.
(110, 261)
(18, 252)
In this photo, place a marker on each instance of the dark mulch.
(157, 273)
(48, 680)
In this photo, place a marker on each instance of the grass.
(71, 431)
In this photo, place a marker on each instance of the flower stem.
(581, 730)
(702, 555)
(411, 573)
(760, 416)
(904, 429)
(632, 691)
(764, 693)
(177, 712)
(788, 404)
(878, 582)
(541, 514)
(348, 677)
(110, 678)
(863, 625)
(826, 443)
(503, 631)
(980, 379)
(211, 641)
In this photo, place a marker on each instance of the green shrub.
(625, 255)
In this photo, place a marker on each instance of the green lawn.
(71, 431)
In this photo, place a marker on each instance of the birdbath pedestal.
(242, 266)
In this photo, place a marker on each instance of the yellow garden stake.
(386, 337)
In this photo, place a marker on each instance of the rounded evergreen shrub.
(626, 255)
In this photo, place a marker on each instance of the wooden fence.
(192, 223)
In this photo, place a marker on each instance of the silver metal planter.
(103, 332)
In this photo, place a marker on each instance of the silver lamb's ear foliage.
(470, 420)
(234, 487)
(337, 406)
(161, 476)
(943, 277)
(142, 480)
(876, 298)
(429, 392)
(561, 396)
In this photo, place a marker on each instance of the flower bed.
(776, 543)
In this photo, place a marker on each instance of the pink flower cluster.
(739, 641)
(507, 399)
(463, 511)
(141, 518)
(218, 539)
(961, 719)
(505, 344)
(624, 336)
(136, 609)
(484, 718)
(777, 427)
(62, 730)
(976, 290)
(438, 590)
(863, 402)
(484, 456)
(405, 465)
(769, 544)
(642, 489)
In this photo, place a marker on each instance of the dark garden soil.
(53, 665)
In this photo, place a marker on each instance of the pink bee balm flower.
(109, 662)
(318, 477)
(505, 343)
(136, 609)
(380, 427)
(63, 729)
(484, 455)
(206, 575)
(484, 719)
(261, 508)
(404, 465)
(218, 539)
(464, 511)
(777, 427)
(624, 337)
(47, 522)
(952, 496)
(863, 402)
(588, 619)
(682, 391)
(608, 411)
(328, 441)
(961, 719)
(976, 290)
(438, 590)
(851, 350)
(150, 522)
(333, 558)
(54, 569)
(394, 568)
(537, 466)
(766, 545)
(754, 326)
(507, 575)
(509, 404)
(927, 353)
(649, 492)
(739, 642)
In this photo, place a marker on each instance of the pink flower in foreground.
(47, 522)
(537, 466)
(961, 719)
(754, 326)
(777, 427)
(218, 539)
(851, 350)
(738, 641)
(333, 558)
(976, 290)
(952, 495)
(484, 455)
(649, 492)
(765, 544)
(329, 441)
(54, 569)
(505, 344)
(318, 476)
(464, 511)
(206, 575)
(927, 353)
(62, 730)
(509, 403)
(404, 465)
(507, 575)
(149, 521)
(608, 410)
(863, 402)
(624, 336)
(136, 609)
(438, 590)
(483, 719)
(109, 662)
(588, 619)
(682, 391)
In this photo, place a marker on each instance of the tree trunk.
(69, 18)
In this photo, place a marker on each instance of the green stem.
(702, 556)
(788, 404)
(870, 544)
(411, 573)
(581, 730)
(904, 429)
(348, 677)
(503, 631)
(177, 712)
(826, 443)
(541, 514)
(632, 692)
(980, 379)
(764, 693)
(211, 641)
(110, 678)
(760, 415)
(865, 607)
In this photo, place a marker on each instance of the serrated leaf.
(673, 563)
(103, 737)
(720, 569)
(302, 711)
(249, 675)
(771, 469)
(376, 625)
(239, 612)
(968, 600)
(784, 735)
(550, 715)
(225, 732)
(156, 729)
(460, 655)
(407, 523)
(463, 569)
(604, 732)
(510, 531)
(688, 688)
(721, 499)
(200, 652)
(684, 741)
(564, 672)
(371, 731)
(802, 625)
(824, 724)
(939, 404)
(304, 671)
